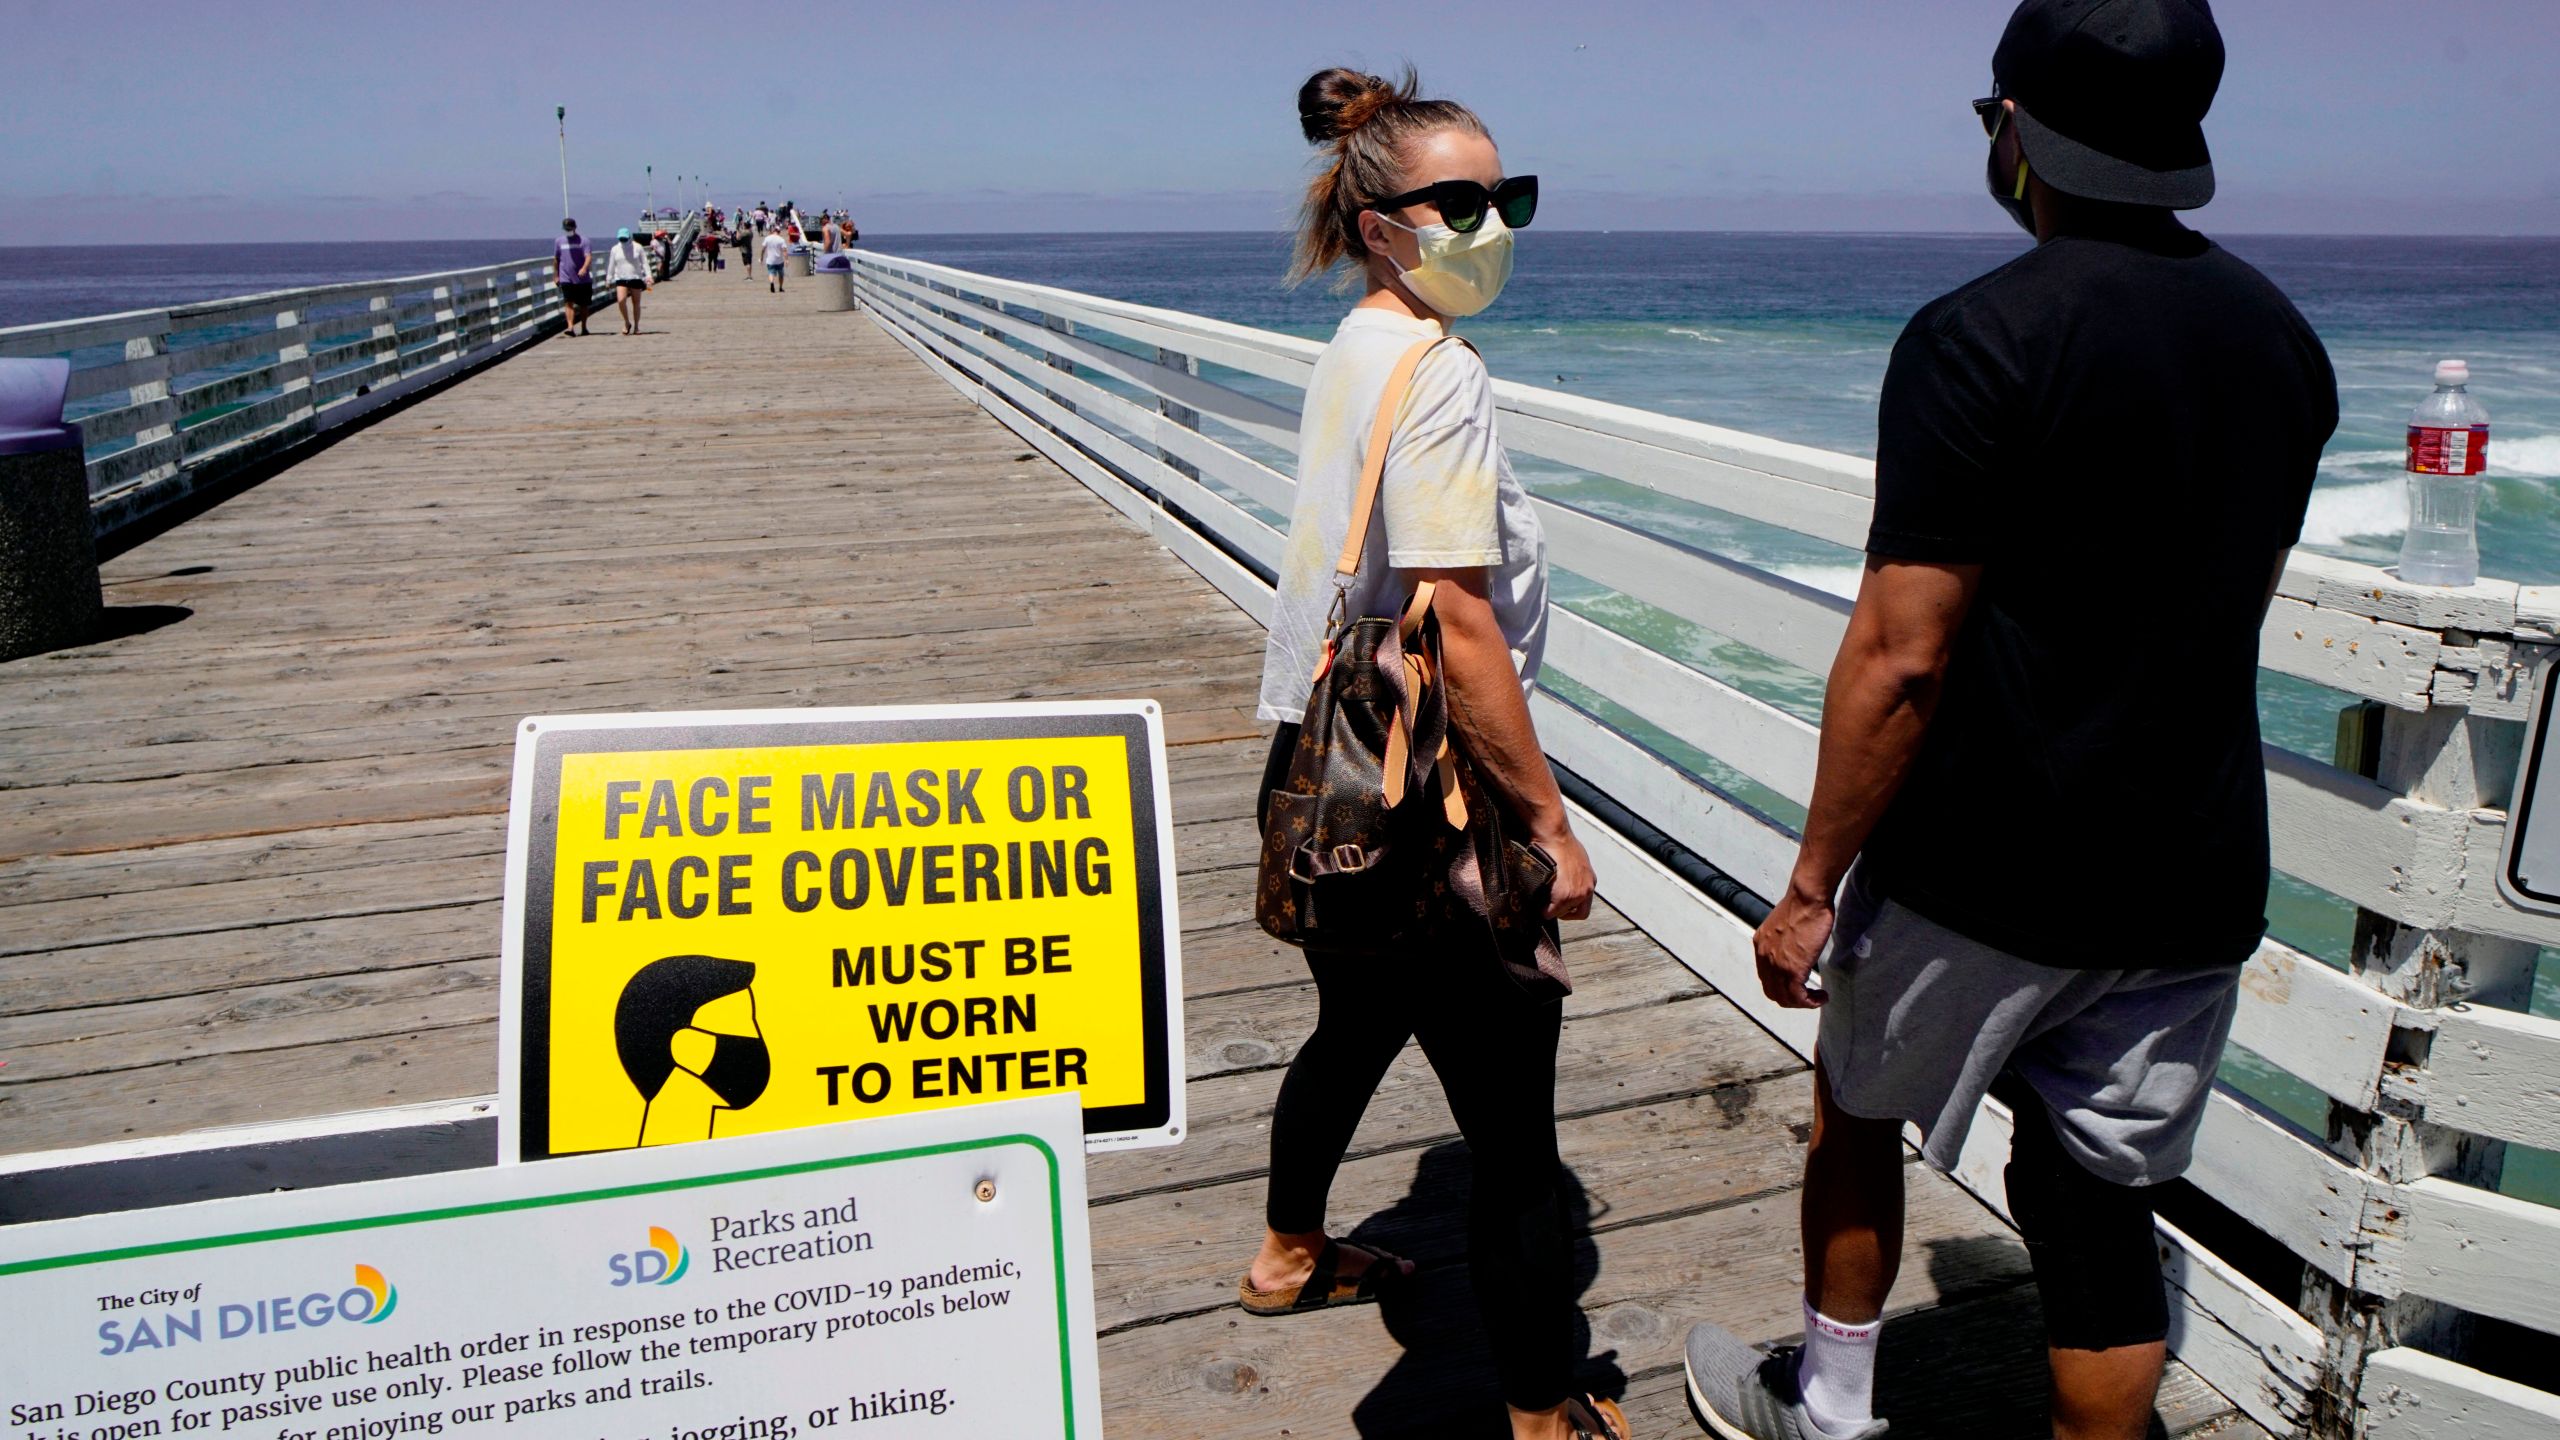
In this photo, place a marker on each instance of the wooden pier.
(251, 852)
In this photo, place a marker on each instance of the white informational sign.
(913, 1275)
(2529, 861)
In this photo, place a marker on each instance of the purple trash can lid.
(31, 394)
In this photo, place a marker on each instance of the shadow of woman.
(1443, 1383)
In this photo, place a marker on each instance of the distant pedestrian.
(627, 266)
(744, 238)
(709, 245)
(569, 262)
(827, 232)
(776, 250)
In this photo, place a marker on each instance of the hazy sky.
(243, 119)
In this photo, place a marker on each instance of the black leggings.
(1494, 1048)
(2090, 1240)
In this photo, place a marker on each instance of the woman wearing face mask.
(1412, 204)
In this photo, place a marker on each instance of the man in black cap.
(2006, 772)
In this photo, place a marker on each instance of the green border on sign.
(1057, 1224)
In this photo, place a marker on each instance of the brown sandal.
(1326, 1285)
(1594, 1418)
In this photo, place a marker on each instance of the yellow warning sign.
(724, 924)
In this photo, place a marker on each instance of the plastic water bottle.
(2448, 449)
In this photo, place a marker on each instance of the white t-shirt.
(627, 261)
(776, 249)
(1447, 500)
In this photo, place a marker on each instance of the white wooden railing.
(174, 399)
(2429, 1064)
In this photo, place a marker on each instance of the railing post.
(448, 331)
(160, 422)
(386, 336)
(293, 368)
(491, 308)
(470, 308)
(2448, 757)
(1061, 363)
(1177, 412)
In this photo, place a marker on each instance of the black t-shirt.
(2122, 432)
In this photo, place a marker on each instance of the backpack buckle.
(1347, 858)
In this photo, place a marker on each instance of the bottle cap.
(2453, 372)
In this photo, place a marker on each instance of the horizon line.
(1981, 234)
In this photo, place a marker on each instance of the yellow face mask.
(1459, 274)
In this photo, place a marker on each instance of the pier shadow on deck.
(250, 862)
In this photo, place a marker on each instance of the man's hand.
(1787, 944)
(1569, 898)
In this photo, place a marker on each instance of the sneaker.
(1744, 1393)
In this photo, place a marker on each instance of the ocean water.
(46, 282)
(1782, 335)
(1787, 335)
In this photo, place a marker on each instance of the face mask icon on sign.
(685, 1030)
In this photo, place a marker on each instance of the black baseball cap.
(2111, 96)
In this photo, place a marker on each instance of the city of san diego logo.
(369, 1301)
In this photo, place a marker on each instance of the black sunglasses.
(1463, 202)
(1990, 110)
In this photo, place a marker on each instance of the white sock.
(1837, 1371)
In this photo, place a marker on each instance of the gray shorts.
(1921, 1021)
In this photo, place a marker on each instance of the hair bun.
(1337, 102)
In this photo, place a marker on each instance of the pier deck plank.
(251, 852)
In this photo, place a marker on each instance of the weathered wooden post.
(2450, 757)
(49, 594)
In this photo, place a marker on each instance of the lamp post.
(651, 171)
(560, 113)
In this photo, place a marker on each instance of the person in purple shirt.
(569, 259)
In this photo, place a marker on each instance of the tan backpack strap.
(1373, 465)
(1416, 608)
(1453, 801)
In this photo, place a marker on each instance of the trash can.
(808, 258)
(48, 554)
(835, 281)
